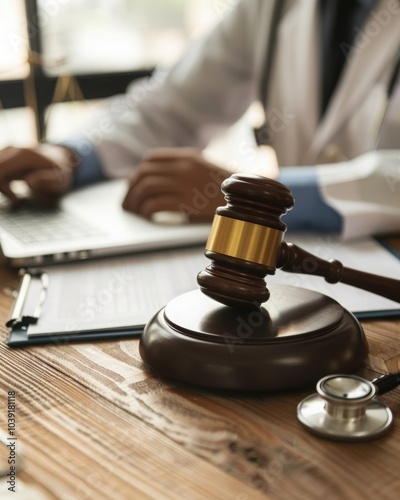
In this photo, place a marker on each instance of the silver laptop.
(88, 223)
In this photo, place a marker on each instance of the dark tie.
(340, 22)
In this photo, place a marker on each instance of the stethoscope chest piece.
(343, 409)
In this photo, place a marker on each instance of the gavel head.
(245, 239)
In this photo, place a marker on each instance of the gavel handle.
(294, 259)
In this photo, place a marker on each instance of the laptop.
(88, 223)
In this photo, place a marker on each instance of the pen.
(17, 315)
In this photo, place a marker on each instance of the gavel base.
(296, 338)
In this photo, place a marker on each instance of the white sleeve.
(365, 191)
(208, 90)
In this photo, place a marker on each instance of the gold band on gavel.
(244, 240)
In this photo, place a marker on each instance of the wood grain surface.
(92, 423)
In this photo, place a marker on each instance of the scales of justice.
(236, 334)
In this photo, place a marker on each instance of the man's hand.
(46, 169)
(176, 180)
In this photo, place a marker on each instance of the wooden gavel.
(246, 244)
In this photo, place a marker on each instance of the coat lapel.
(374, 49)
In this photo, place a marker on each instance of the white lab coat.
(213, 85)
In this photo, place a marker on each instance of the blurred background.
(103, 44)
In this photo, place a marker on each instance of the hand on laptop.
(46, 169)
(176, 180)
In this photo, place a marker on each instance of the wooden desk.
(92, 424)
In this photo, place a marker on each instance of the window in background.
(91, 36)
(13, 40)
(105, 43)
(105, 36)
(17, 127)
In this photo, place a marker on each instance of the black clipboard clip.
(19, 316)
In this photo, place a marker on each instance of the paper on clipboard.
(116, 293)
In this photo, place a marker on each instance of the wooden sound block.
(293, 340)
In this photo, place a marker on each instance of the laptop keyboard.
(31, 224)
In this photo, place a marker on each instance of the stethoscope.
(344, 407)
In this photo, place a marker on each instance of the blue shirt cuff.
(89, 169)
(310, 212)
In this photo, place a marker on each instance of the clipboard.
(21, 318)
(139, 285)
(18, 337)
